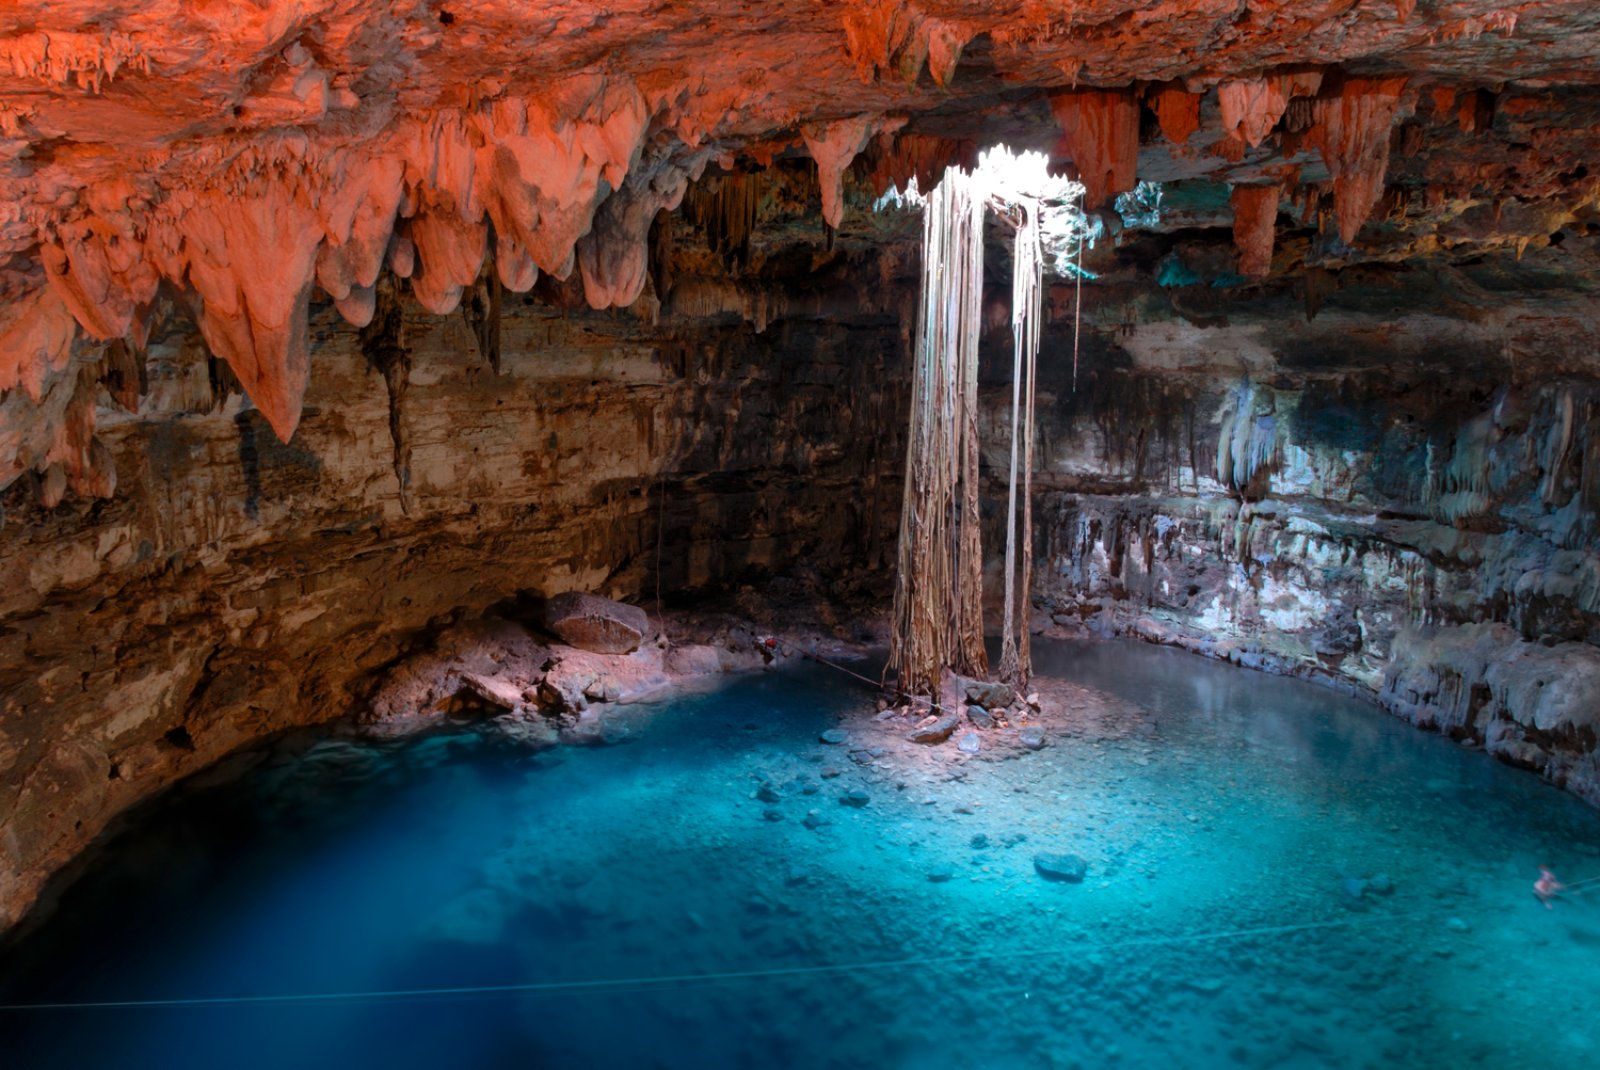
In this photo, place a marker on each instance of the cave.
(480, 587)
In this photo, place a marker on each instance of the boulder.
(696, 659)
(599, 625)
(493, 690)
(937, 731)
(990, 694)
(1068, 869)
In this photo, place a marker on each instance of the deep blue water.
(1227, 820)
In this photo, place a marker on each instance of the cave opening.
(467, 476)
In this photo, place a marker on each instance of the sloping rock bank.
(1401, 504)
(235, 587)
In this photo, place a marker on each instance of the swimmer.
(1547, 887)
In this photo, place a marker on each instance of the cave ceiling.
(242, 159)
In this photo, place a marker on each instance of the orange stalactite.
(1100, 134)
(1177, 110)
(1255, 217)
(1251, 108)
(916, 156)
(1352, 131)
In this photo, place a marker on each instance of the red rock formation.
(894, 36)
(36, 333)
(834, 145)
(1251, 108)
(357, 221)
(1255, 217)
(250, 256)
(373, 126)
(1100, 134)
(917, 156)
(1352, 131)
(1177, 110)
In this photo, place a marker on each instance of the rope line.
(783, 647)
(652, 982)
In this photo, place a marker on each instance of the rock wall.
(235, 585)
(1400, 495)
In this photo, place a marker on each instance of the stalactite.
(725, 208)
(1352, 131)
(894, 36)
(384, 345)
(661, 249)
(481, 310)
(1252, 107)
(613, 258)
(1255, 217)
(1247, 442)
(833, 145)
(915, 156)
(1177, 110)
(123, 373)
(1100, 133)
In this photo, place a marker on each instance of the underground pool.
(1197, 866)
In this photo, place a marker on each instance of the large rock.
(936, 732)
(695, 659)
(493, 690)
(1065, 869)
(590, 622)
(990, 694)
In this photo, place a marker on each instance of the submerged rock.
(534, 733)
(834, 736)
(937, 732)
(1068, 869)
(855, 797)
(1032, 736)
(969, 743)
(599, 625)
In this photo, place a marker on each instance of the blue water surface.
(1277, 877)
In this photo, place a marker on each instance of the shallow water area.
(1277, 876)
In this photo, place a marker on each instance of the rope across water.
(681, 980)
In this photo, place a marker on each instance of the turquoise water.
(1278, 877)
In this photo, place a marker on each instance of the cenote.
(1276, 876)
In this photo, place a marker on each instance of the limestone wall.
(1402, 501)
(235, 586)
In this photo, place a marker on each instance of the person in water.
(1547, 887)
